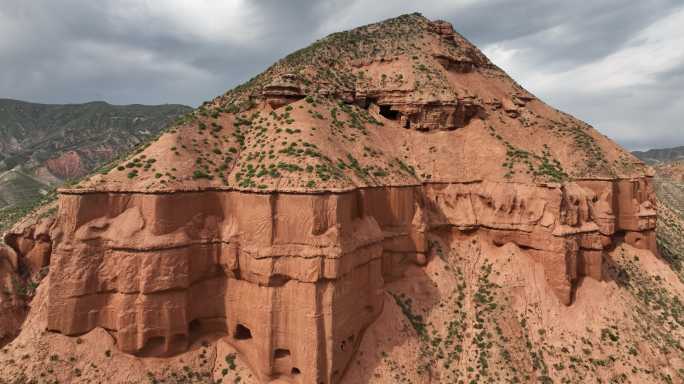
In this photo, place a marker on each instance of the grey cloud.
(77, 50)
(672, 78)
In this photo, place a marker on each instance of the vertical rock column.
(306, 284)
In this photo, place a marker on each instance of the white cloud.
(231, 21)
(654, 50)
(625, 94)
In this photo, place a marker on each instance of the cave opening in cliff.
(278, 280)
(242, 333)
(178, 342)
(295, 371)
(281, 353)
(387, 112)
(153, 346)
(194, 327)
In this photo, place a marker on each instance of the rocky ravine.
(385, 191)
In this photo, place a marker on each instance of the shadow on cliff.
(410, 297)
(23, 265)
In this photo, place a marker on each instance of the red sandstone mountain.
(385, 205)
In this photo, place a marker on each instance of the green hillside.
(44, 145)
(655, 156)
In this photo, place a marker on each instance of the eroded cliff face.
(278, 214)
(282, 278)
(31, 243)
(294, 280)
(12, 308)
(24, 256)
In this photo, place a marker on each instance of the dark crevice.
(387, 112)
(281, 353)
(194, 326)
(618, 238)
(242, 333)
(278, 280)
(525, 247)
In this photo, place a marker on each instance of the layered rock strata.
(283, 91)
(24, 257)
(295, 279)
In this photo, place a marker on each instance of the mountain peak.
(399, 102)
(330, 66)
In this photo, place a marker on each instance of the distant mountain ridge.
(43, 145)
(653, 156)
(36, 132)
(668, 164)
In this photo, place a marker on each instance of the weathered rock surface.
(283, 91)
(296, 279)
(9, 256)
(24, 258)
(30, 240)
(12, 307)
(278, 214)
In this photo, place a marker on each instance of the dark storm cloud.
(562, 31)
(606, 62)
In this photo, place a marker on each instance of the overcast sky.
(617, 64)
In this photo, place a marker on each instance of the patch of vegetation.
(587, 147)
(543, 166)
